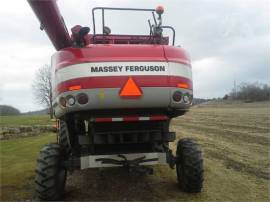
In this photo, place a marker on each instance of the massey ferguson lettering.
(141, 68)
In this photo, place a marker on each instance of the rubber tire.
(189, 166)
(50, 177)
(64, 137)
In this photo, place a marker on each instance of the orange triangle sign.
(130, 89)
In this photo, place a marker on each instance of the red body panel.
(176, 54)
(119, 81)
(112, 52)
(122, 53)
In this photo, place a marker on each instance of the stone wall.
(24, 131)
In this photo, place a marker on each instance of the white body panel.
(90, 161)
(122, 69)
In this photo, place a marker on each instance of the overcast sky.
(227, 40)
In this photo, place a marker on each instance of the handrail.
(110, 8)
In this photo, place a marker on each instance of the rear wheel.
(189, 166)
(64, 138)
(69, 132)
(50, 177)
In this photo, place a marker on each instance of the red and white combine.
(115, 96)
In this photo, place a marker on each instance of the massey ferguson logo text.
(142, 68)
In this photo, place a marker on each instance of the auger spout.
(52, 22)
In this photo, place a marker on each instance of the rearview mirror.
(83, 31)
(106, 30)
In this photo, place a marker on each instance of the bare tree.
(42, 87)
(252, 92)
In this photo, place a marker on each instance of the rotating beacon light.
(159, 11)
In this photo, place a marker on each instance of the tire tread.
(189, 166)
(48, 166)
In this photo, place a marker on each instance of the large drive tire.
(64, 138)
(189, 166)
(50, 174)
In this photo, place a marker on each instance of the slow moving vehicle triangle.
(130, 89)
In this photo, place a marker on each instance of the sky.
(227, 40)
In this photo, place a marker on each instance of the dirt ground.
(235, 141)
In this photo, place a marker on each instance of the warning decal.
(130, 89)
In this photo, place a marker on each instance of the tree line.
(8, 110)
(250, 92)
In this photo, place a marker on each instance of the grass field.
(235, 140)
(25, 120)
(18, 161)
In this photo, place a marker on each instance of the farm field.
(235, 139)
(25, 120)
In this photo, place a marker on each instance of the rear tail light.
(71, 100)
(77, 87)
(82, 98)
(183, 85)
(186, 98)
(63, 102)
(177, 96)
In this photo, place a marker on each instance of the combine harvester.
(115, 96)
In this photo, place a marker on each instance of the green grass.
(18, 160)
(26, 120)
